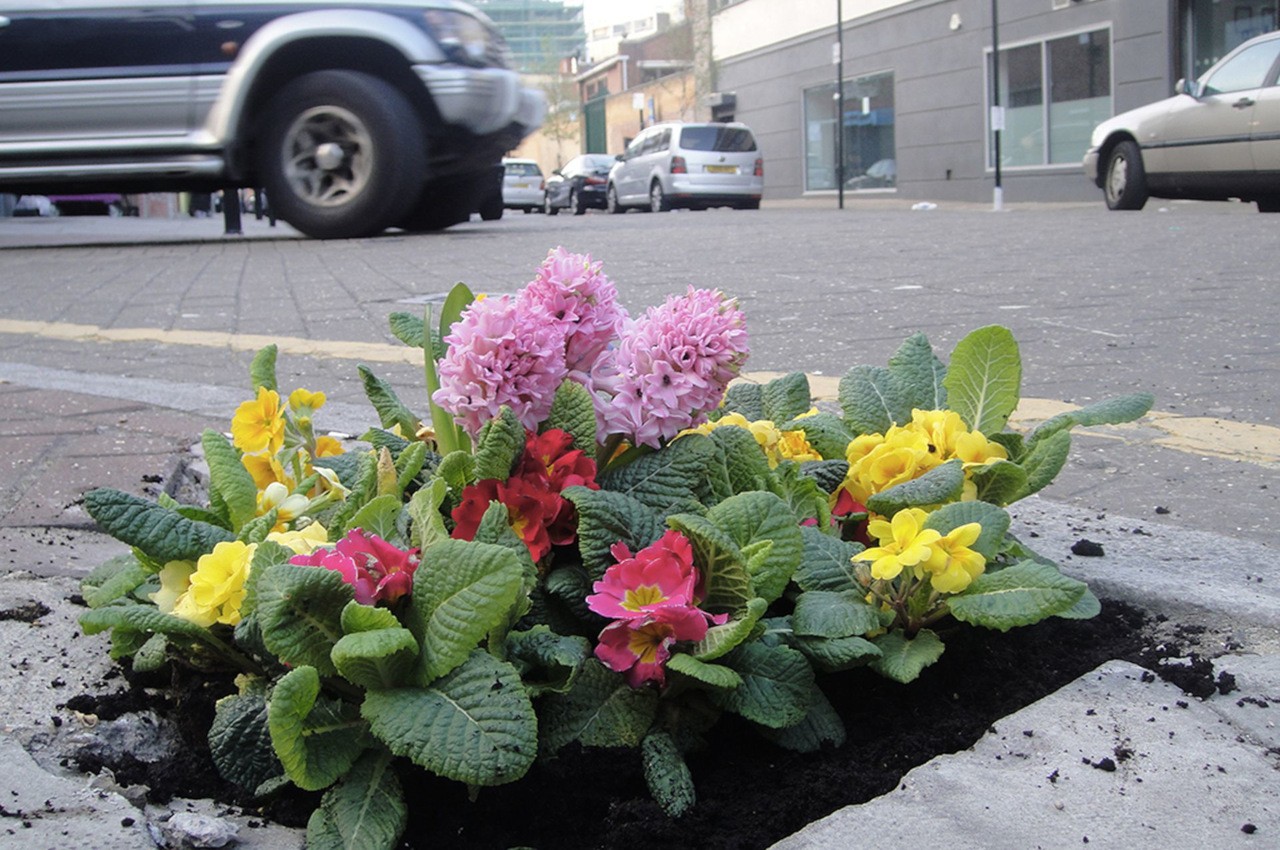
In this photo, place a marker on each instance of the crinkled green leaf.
(600, 710)
(547, 662)
(407, 328)
(745, 463)
(831, 655)
(409, 463)
(902, 659)
(828, 474)
(606, 518)
(428, 525)
(144, 619)
(871, 400)
(257, 529)
(827, 563)
(1111, 411)
(801, 493)
(476, 725)
(777, 685)
(768, 536)
(745, 398)
(1087, 607)
(919, 374)
(825, 432)
(316, 738)
(573, 412)
(994, 522)
(113, 579)
(667, 481)
(1045, 460)
(720, 563)
(499, 445)
(458, 469)
(240, 740)
(380, 516)
(162, 534)
(461, 591)
(229, 477)
(391, 410)
(666, 774)
(363, 489)
(262, 371)
(833, 614)
(299, 610)
(786, 397)
(720, 640)
(984, 378)
(821, 727)
(379, 658)
(939, 485)
(152, 655)
(715, 675)
(1019, 595)
(1001, 482)
(365, 810)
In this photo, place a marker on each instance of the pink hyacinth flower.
(376, 570)
(639, 649)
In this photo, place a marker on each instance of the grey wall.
(940, 98)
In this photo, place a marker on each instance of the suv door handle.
(1243, 103)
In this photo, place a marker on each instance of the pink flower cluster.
(652, 598)
(650, 378)
(674, 364)
(378, 571)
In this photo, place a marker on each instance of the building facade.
(918, 85)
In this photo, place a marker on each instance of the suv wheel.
(611, 200)
(341, 154)
(1125, 185)
(657, 198)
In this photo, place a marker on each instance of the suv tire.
(657, 198)
(341, 154)
(611, 201)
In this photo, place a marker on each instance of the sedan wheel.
(575, 203)
(1125, 185)
(547, 207)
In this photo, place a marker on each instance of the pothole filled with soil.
(750, 793)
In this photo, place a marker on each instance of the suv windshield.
(720, 139)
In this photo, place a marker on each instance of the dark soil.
(750, 793)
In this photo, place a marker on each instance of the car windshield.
(597, 162)
(1247, 70)
(720, 139)
(522, 169)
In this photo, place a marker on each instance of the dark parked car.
(355, 115)
(1217, 138)
(579, 185)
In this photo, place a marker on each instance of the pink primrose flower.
(639, 649)
(661, 576)
(378, 571)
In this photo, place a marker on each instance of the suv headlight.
(467, 39)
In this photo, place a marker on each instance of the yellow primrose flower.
(940, 428)
(259, 424)
(304, 541)
(975, 449)
(175, 578)
(328, 447)
(952, 563)
(288, 507)
(793, 445)
(301, 398)
(266, 469)
(904, 542)
(217, 586)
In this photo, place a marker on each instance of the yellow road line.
(1204, 436)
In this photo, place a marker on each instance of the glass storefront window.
(1216, 27)
(866, 121)
(1054, 93)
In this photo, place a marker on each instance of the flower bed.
(593, 541)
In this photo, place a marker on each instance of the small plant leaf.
(666, 774)
(827, 563)
(573, 412)
(299, 610)
(547, 662)
(600, 710)
(1001, 482)
(380, 658)
(1112, 411)
(229, 477)
(786, 397)
(380, 516)
(715, 675)
(365, 810)
(606, 518)
(902, 658)
(1045, 460)
(919, 374)
(719, 561)
(499, 445)
(833, 614)
(745, 398)
(831, 655)
(767, 535)
(240, 740)
(720, 640)
(113, 579)
(391, 411)
(407, 328)
(777, 685)
(316, 738)
(745, 464)
(163, 535)
(1086, 608)
(667, 481)
(939, 485)
(821, 727)
(984, 379)
(1019, 595)
(428, 525)
(262, 371)
(872, 400)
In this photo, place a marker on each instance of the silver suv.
(354, 115)
(688, 165)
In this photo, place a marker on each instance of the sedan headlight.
(467, 39)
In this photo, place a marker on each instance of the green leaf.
(161, 534)
(1019, 595)
(831, 655)
(118, 577)
(719, 640)
(152, 655)
(407, 328)
(573, 412)
(1086, 608)
(833, 614)
(316, 738)
(719, 561)
(901, 658)
(994, 522)
(919, 374)
(801, 493)
(984, 379)
(380, 516)
(600, 710)
(715, 675)
(262, 371)
(428, 526)
(380, 658)
(826, 433)
(667, 481)
(1112, 411)
(827, 563)
(1001, 482)
(257, 529)
(745, 398)
(777, 685)
(455, 304)
(547, 662)
(229, 477)
(144, 619)
(606, 518)
(365, 810)
(409, 463)
(461, 590)
(499, 445)
(822, 726)
(939, 485)
(475, 725)
(871, 400)
(786, 397)
(457, 469)
(240, 740)
(667, 775)
(391, 411)
(745, 463)
(299, 609)
(768, 537)
(1045, 460)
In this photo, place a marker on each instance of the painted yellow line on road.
(1204, 436)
